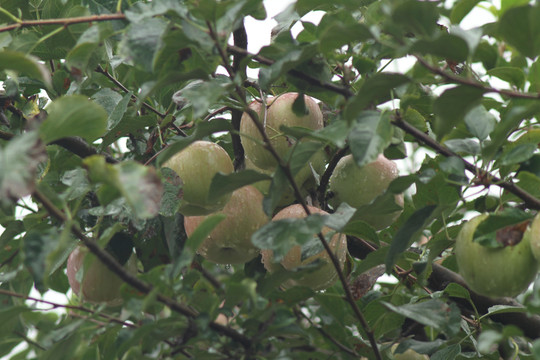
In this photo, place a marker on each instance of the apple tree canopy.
(97, 95)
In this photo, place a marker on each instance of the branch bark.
(62, 21)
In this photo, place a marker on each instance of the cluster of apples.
(230, 241)
(504, 270)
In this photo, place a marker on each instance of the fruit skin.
(279, 112)
(494, 272)
(230, 241)
(534, 233)
(326, 274)
(359, 186)
(99, 285)
(196, 165)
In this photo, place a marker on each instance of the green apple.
(196, 165)
(494, 272)
(278, 112)
(534, 237)
(99, 284)
(326, 274)
(359, 186)
(230, 241)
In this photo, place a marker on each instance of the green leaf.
(19, 161)
(361, 230)
(434, 313)
(447, 46)
(141, 42)
(518, 154)
(375, 90)
(485, 232)
(517, 111)
(404, 235)
(505, 309)
(202, 129)
(370, 135)
(420, 347)
(452, 106)
(73, 115)
(199, 235)
(203, 96)
(138, 184)
(281, 235)
(467, 146)
(286, 62)
(480, 122)
(225, 183)
(279, 184)
(519, 27)
(448, 353)
(460, 9)
(338, 34)
(301, 155)
(26, 64)
(512, 75)
(420, 18)
(37, 246)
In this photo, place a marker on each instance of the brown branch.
(63, 21)
(531, 201)
(241, 41)
(325, 178)
(130, 279)
(441, 277)
(81, 148)
(449, 77)
(286, 169)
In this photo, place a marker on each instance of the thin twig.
(62, 21)
(531, 201)
(101, 70)
(468, 82)
(327, 335)
(325, 178)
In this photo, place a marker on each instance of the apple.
(326, 274)
(534, 237)
(494, 272)
(277, 113)
(99, 284)
(196, 165)
(230, 241)
(359, 186)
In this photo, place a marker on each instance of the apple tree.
(147, 146)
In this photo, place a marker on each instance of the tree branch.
(67, 306)
(101, 70)
(531, 201)
(130, 279)
(62, 21)
(449, 77)
(241, 41)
